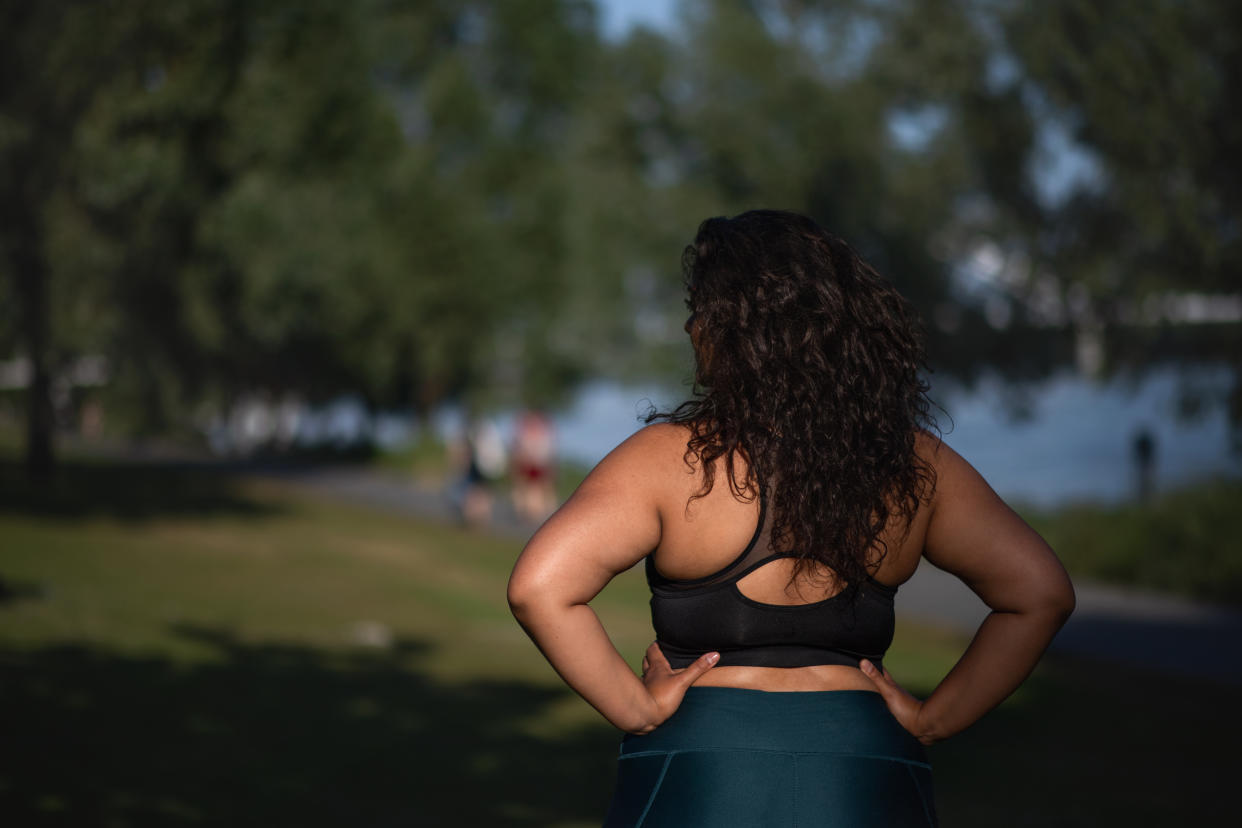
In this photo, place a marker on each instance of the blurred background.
(310, 310)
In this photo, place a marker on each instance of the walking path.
(1165, 633)
(1161, 632)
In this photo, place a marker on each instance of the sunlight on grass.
(247, 616)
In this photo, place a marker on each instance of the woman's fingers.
(654, 658)
(903, 706)
(668, 686)
(889, 689)
(655, 664)
(697, 668)
(882, 681)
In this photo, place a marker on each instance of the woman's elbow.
(1057, 599)
(1046, 598)
(522, 595)
(1067, 600)
(531, 593)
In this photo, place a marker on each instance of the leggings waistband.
(840, 722)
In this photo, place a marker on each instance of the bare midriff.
(787, 679)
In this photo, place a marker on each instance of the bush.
(1187, 541)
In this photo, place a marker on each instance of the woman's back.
(702, 535)
(701, 539)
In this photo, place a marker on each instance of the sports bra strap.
(756, 553)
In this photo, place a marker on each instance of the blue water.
(1075, 445)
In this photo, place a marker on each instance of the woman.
(778, 512)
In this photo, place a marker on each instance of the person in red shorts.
(534, 452)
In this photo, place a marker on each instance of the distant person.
(534, 474)
(486, 463)
(1143, 450)
(777, 512)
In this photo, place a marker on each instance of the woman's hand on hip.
(666, 686)
(906, 709)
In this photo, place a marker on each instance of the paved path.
(1161, 632)
(1165, 633)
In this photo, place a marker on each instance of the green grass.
(429, 464)
(183, 648)
(425, 459)
(1188, 541)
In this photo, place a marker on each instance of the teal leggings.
(731, 758)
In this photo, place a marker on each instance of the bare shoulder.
(975, 535)
(962, 498)
(661, 437)
(953, 473)
(653, 458)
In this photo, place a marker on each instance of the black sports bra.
(695, 616)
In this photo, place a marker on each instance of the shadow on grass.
(269, 735)
(1088, 744)
(13, 591)
(284, 735)
(132, 491)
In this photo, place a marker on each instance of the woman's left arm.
(974, 535)
(610, 523)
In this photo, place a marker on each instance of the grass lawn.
(189, 649)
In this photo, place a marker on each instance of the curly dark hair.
(808, 366)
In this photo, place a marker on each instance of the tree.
(51, 55)
(483, 201)
(1146, 90)
(286, 196)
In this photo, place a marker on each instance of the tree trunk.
(31, 277)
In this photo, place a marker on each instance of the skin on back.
(701, 536)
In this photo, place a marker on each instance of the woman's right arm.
(973, 534)
(609, 524)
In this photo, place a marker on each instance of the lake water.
(1075, 445)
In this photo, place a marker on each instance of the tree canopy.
(486, 200)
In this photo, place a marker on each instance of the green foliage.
(286, 196)
(1149, 87)
(485, 201)
(1185, 541)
